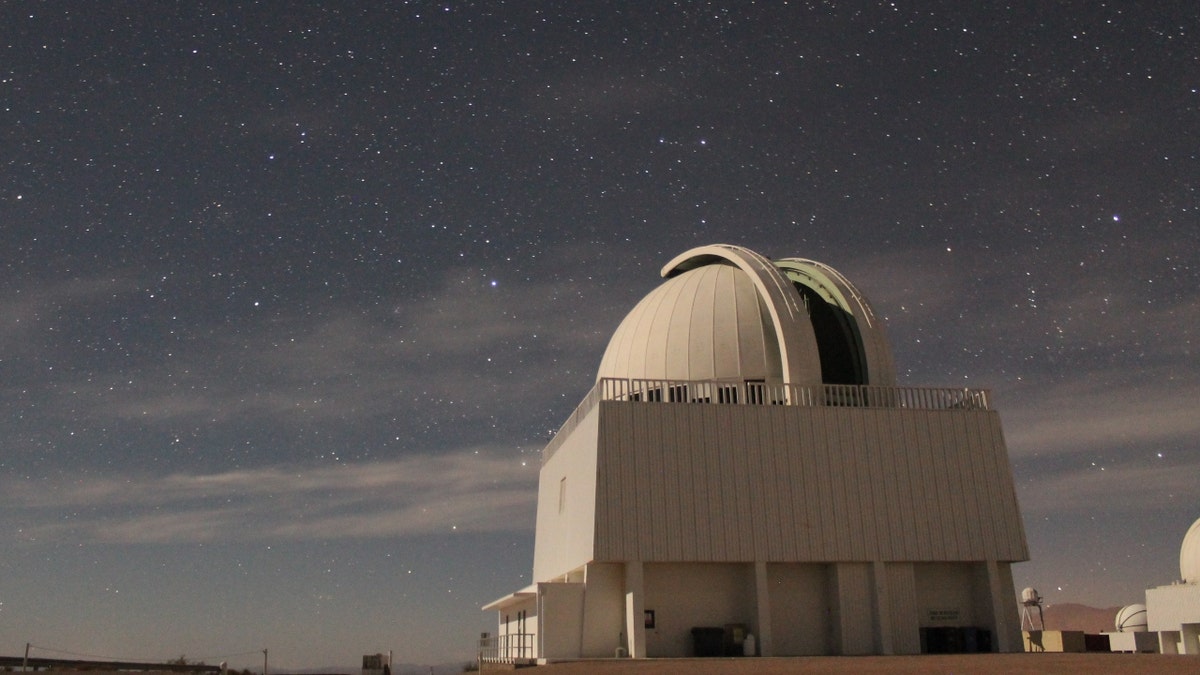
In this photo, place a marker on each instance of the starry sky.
(292, 294)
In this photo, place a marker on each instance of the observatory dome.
(1189, 555)
(1131, 619)
(728, 313)
(706, 323)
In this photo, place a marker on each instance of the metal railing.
(508, 648)
(733, 392)
(762, 393)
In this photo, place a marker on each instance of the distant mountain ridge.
(397, 669)
(1073, 616)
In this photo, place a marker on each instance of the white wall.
(927, 495)
(684, 596)
(945, 595)
(1168, 608)
(852, 602)
(604, 611)
(1175, 612)
(564, 538)
(710, 483)
(561, 609)
(902, 608)
(1141, 641)
(801, 616)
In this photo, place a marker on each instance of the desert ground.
(959, 664)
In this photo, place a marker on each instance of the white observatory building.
(1174, 611)
(745, 477)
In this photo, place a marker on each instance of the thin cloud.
(458, 343)
(1112, 489)
(474, 490)
(38, 307)
(1117, 408)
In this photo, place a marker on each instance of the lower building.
(1174, 611)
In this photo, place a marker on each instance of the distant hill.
(397, 669)
(1072, 616)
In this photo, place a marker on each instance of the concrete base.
(1142, 642)
(1067, 641)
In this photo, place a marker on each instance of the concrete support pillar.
(1003, 609)
(1168, 642)
(635, 608)
(763, 596)
(1190, 637)
(852, 604)
(883, 610)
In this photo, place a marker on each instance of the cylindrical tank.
(1030, 596)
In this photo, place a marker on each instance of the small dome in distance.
(1131, 619)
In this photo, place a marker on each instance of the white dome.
(728, 313)
(707, 323)
(1131, 619)
(1189, 555)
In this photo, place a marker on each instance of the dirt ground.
(961, 664)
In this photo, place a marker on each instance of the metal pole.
(25, 661)
(264, 662)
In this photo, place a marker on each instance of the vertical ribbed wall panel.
(1001, 493)
(704, 482)
(702, 541)
(644, 485)
(992, 495)
(805, 488)
(920, 537)
(749, 488)
(726, 509)
(868, 491)
(957, 513)
(886, 471)
(770, 502)
(973, 472)
(937, 512)
(677, 472)
(655, 504)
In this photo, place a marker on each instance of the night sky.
(293, 294)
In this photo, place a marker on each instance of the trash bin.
(735, 634)
(707, 641)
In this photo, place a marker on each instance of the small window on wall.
(562, 494)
